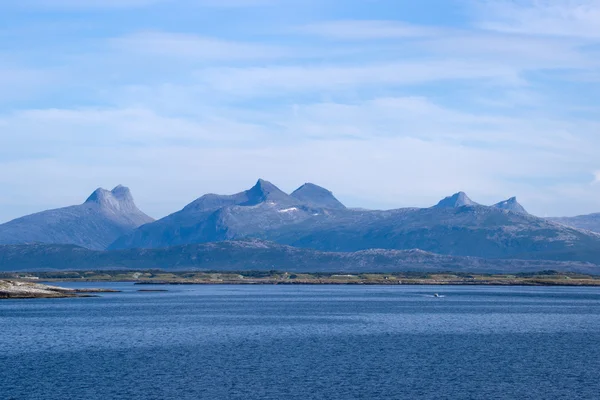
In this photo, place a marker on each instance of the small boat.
(436, 295)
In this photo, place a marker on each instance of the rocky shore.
(10, 289)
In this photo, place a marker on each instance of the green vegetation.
(546, 278)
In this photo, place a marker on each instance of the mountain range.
(310, 220)
(455, 226)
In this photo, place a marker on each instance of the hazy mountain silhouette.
(104, 217)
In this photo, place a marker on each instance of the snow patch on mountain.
(287, 210)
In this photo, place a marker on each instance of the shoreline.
(22, 289)
(158, 277)
(423, 283)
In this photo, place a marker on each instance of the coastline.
(421, 283)
(159, 277)
(20, 289)
(26, 287)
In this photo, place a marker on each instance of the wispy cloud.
(521, 52)
(18, 82)
(580, 18)
(88, 4)
(278, 80)
(166, 44)
(48, 130)
(124, 4)
(365, 29)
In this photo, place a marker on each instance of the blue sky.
(388, 103)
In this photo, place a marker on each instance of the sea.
(303, 342)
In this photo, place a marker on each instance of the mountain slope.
(259, 255)
(590, 222)
(105, 216)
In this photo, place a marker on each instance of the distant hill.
(316, 196)
(260, 255)
(105, 216)
(590, 222)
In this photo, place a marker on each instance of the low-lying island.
(10, 289)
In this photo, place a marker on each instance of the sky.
(387, 103)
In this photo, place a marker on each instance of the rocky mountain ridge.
(314, 219)
(310, 218)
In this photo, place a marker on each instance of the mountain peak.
(311, 186)
(317, 196)
(265, 191)
(99, 196)
(459, 199)
(122, 193)
(511, 205)
(119, 198)
(265, 185)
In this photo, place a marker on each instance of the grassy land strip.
(544, 278)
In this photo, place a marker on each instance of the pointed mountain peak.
(264, 185)
(459, 199)
(317, 196)
(261, 192)
(511, 205)
(265, 191)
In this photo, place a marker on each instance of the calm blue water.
(304, 342)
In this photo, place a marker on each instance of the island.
(162, 277)
(17, 289)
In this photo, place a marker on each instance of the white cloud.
(123, 4)
(50, 130)
(579, 18)
(234, 3)
(20, 82)
(365, 29)
(167, 44)
(88, 4)
(261, 81)
(524, 53)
